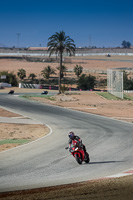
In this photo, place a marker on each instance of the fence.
(115, 82)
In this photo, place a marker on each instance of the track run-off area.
(45, 162)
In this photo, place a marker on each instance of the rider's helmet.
(71, 135)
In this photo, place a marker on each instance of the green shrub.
(10, 78)
(86, 82)
(127, 83)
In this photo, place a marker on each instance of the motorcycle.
(11, 92)
(78, 152)
(44, 92)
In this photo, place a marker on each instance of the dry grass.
(106, 189)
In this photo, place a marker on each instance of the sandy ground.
(99, 63)
(91, 102)
(19, 131)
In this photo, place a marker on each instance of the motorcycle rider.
(72, 137)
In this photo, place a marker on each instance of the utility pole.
(18, 35)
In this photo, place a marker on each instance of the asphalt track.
(46, 162)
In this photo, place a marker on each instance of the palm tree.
(47, 71)
(78, 70)
(63, 70)
(21, 74)
(58, 43)
(32, 76)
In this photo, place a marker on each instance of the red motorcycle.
(77, 151)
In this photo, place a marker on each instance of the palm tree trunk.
(60, 73)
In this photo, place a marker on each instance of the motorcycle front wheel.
(78, 159)
(87, 159)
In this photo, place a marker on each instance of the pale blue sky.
(89, 22)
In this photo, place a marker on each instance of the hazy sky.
(89, 22)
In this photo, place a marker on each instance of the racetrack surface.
(46, 162)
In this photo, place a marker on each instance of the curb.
(125, 173)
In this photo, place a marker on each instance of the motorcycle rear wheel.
(78, 159)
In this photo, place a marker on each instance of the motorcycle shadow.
(105, 162)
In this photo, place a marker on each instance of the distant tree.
(86, 82)
(59, 43)
(47, 71)
(32, 76)
(10, 78)
(21, 73)
(126, 44)
(78, 70)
